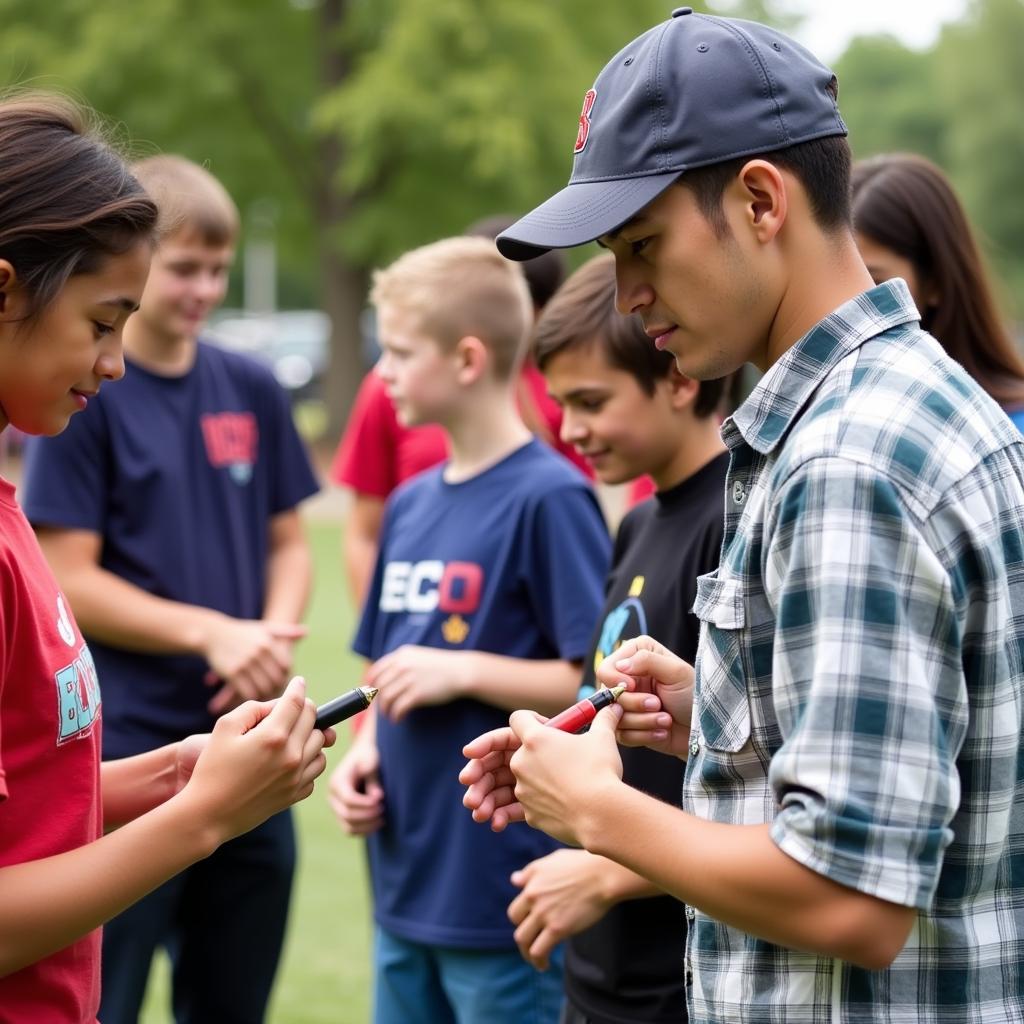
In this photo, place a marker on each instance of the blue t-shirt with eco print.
(511, 561)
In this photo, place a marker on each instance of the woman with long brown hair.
(909, 223)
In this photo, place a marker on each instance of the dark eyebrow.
(636, 219)
(578, 393)
(128, 305)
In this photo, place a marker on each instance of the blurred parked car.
(293, 343)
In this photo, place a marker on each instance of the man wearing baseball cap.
(851, 843)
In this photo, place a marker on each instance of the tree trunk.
(343, 295)
(343, 285)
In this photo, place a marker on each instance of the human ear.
(7, 283)
(682, 390)
(471, 357)
(761, 189)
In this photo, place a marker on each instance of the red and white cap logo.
(584, 133)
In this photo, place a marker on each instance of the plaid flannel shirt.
(860, 672)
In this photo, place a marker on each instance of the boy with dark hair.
(850, 842)
(629, 411)
(168, 511)
(484, 595)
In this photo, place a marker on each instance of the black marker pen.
(345, 706)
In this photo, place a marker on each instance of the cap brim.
(580, 213)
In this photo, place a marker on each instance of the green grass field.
(324, 977)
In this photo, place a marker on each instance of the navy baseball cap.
(692, 91)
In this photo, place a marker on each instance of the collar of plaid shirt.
(783, 391)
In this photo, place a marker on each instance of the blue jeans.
(222, 921)
(421, 984)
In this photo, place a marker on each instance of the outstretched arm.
(412, 676)
(570, 787)
(260, 759)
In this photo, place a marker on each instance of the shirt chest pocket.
(723, 705)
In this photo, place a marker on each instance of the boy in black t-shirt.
(629, 411)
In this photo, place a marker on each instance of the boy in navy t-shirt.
(629, 410)
(168, 511)
(485, 594)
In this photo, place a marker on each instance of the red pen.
(582, 713)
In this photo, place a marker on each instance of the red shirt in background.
(640, 489)
(377, 453)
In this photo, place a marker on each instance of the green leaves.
(960, 104)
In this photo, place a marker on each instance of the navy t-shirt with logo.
(181, 477)
(512, 562)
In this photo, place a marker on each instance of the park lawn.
(325, 975)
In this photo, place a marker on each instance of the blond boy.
(486, 590)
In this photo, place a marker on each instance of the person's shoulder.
(541, 470)
(373, 390)
(239, 365)
(539, 485)
(900, 407)
(638, 517)
(424, 486)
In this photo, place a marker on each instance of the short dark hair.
(822, 166)
(68, 202)
(582, 313)
(544, 274)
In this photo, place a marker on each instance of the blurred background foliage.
(350, 130)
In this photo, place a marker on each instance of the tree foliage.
(368, 126)
(960, 104)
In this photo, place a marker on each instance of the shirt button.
(739, 492)
(694, 747)
(690, 913)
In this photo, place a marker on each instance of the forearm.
(134, 785)
(47, 904)
(367, 732)
(618, 883)
(121, 614)
(737, 875)
(360, 542)
(360, 556)
(545, 686)
(289, 580)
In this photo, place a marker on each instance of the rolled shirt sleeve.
(869, 687)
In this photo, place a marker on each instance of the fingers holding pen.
(648, 663)
(643, 720)
(489, 779)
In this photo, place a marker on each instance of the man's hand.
(251, 657)
(489, 780)
(355, 792)
(560, 778)
(411, 677)
(560, 895)
(658, 708)
(186, 756)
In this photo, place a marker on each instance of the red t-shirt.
(377, 453)
(640, 489)
(49, 760)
